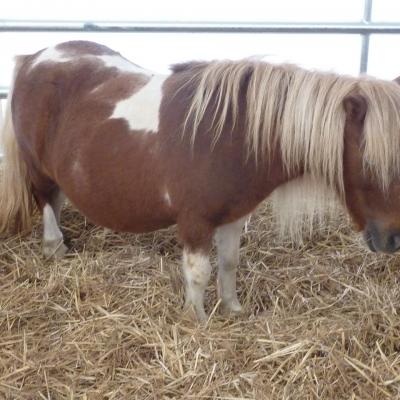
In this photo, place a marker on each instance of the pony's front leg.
(227, 239)
(196, 271)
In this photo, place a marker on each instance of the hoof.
(231, 307)
(195, 313)
(54, 249)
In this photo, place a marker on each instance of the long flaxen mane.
(304, 111)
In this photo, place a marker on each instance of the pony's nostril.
(382, 240)
(395, 239)
(393, 242)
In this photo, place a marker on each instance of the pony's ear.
(355, 106)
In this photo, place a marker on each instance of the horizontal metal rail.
(363, 27)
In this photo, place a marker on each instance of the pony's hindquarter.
(16, 200)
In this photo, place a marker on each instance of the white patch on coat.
(51, 54)
(54, 55)
(197, 271)
(167, 198)
(76, 166)
(141, 110)
(122, 64)
(196, 265)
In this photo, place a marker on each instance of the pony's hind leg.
(227, 239)
(53, 240)
(57, 203)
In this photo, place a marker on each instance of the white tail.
(16, 201)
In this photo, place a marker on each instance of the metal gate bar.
(363, 27)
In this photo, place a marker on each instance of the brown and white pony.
(201, 148)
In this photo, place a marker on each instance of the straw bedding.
(321, 320)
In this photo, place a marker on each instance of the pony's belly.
(135, 224)
(125, 216)
(118, 182)
(138, 204)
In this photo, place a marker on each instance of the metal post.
(1, 124)
(1, 114)
(365, 37)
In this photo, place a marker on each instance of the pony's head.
(371, 169)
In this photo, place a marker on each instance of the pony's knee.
(196, 271)
(196, 268)
(228, 261)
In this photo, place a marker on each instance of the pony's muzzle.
(380, 240)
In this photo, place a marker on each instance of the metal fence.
(364, 28)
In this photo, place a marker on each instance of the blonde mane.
(303, 110)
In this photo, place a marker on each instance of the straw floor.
(321, 321)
